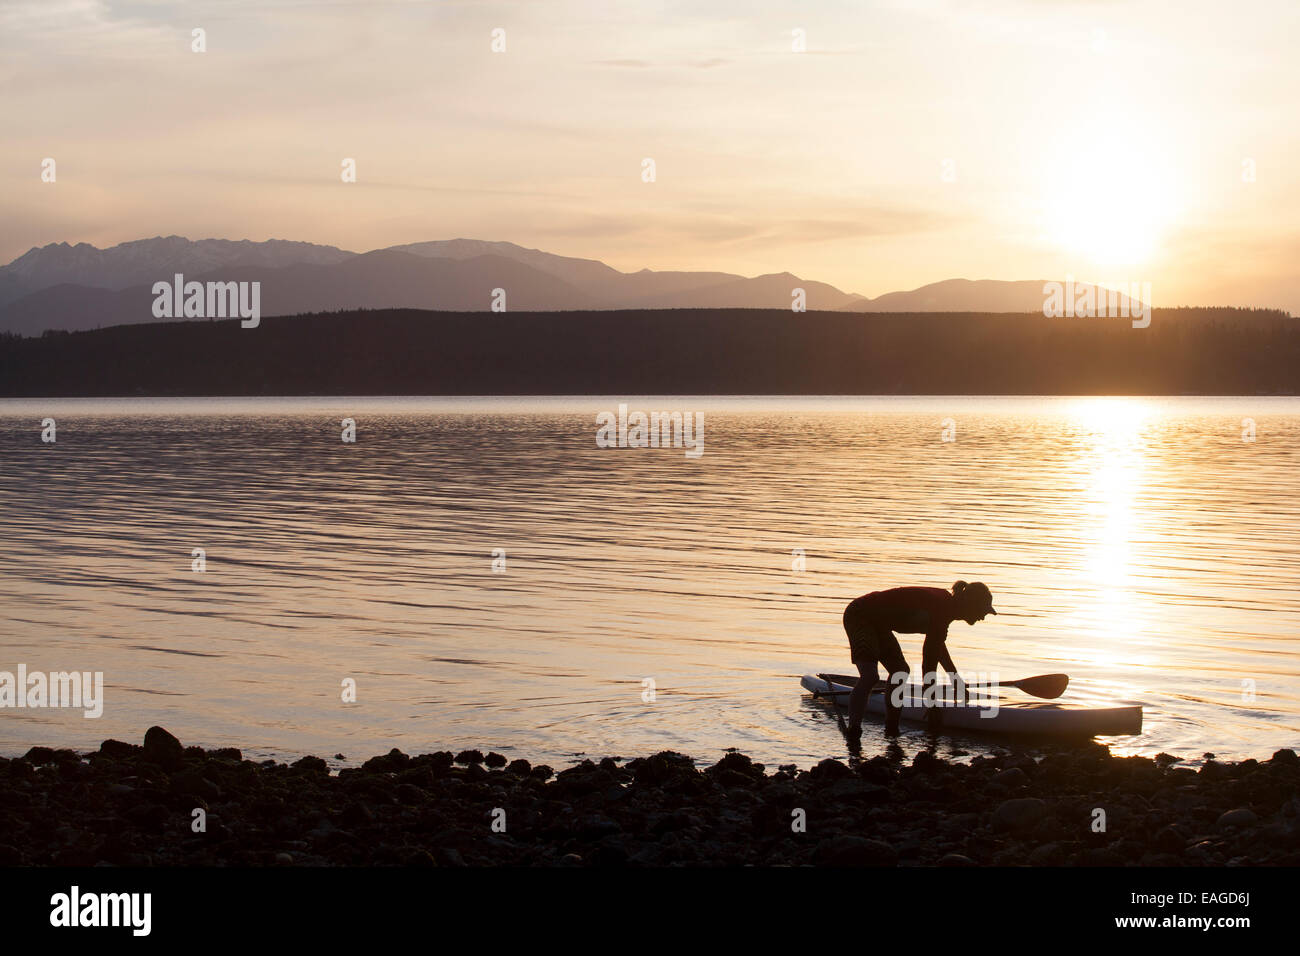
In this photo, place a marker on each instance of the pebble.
(1021, 814)
(1240, 817)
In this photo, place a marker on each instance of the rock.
(357, 814)
(1049, 854)
(856, 789)
(596, 826)
(1206, 851)
(458, 838)
(609, 854)
(521, 768)
(147, 816)
(190, 784)
(469, 757)
(1213, 770)
(648, 855)
(118, 750)
(662, 823)
(419, 775)
(162, 748)
(1286, 757)
(1241, 817)
(735, 762)
(392, 762)
(583, 779)
(955, 859)
(438, 762)
(926, 762)
(494, 760)
(1020, 815)
(829, 770)
(37, 756)
(961, 822)
(311, 765)
(1272, 835)
(731, 778)
(659, 769)
(447, 856)
(1011, 778)
(283, 859)
(1169, 840)
(877, 770)
(854, 851)
(410, 794)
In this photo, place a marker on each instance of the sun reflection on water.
(1113, 460)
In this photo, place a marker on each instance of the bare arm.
(935, 651)
(946, 660)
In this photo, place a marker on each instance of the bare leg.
(867, 677)
(898, 672)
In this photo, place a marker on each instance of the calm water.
(1139, 545)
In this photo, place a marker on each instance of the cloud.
(83, 28)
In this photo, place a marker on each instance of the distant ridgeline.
(676, 351)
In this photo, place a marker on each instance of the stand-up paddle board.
(1029, 718)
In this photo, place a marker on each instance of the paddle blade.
(1046, 686)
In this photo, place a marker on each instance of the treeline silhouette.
(688, 351)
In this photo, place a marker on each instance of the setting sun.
(1110, 203)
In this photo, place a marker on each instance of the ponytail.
(958, 588)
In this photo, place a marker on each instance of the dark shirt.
(911, 610)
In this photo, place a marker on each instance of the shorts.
(870, 643)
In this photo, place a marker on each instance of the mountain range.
(77, 287)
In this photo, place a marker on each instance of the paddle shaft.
(1047, 686)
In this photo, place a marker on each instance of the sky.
(908, 142)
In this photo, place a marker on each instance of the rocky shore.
(163, 804)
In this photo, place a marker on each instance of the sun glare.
(1116, 421)
(1109, 202)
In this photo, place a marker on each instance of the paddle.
(839, 717)
(1046, 686)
